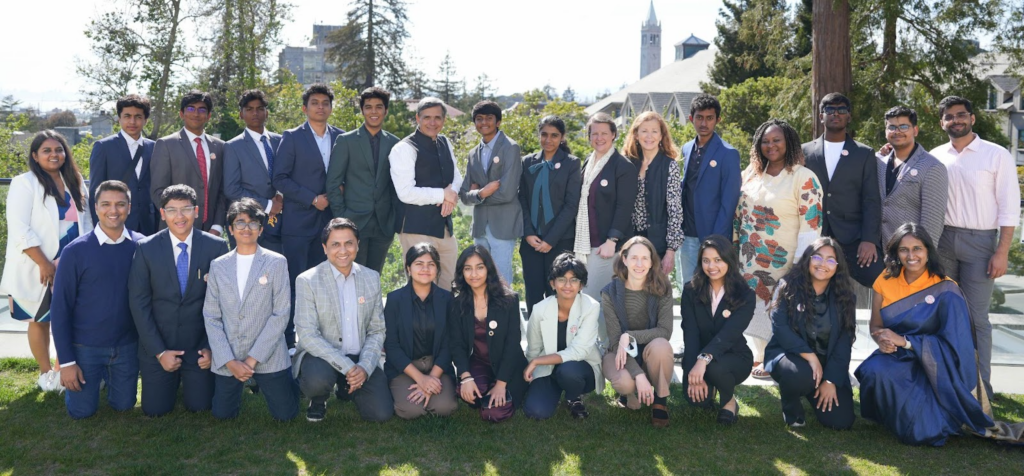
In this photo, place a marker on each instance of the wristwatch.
(707, 358)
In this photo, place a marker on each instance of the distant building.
(411, 104)
(1005, 101)
(650, 43)
(102, 125)
(309, 64)
(690, 47)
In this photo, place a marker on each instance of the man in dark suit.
(193, 158)
(125, 156)
(359, 180)
(847, 171)
(166, 293)
(249, 165)
(300, 174)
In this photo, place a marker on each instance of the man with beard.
(984, 202)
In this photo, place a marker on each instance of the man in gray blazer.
(913, 183)
(359, 179)
(248, 297)
(249, 165)
(492, 187)
(191, 157)
(339, 322)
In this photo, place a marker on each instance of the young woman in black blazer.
(549, 192)
(485, 337)
(814, 324)
(716, 307)
(419, 364)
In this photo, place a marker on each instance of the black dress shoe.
(578, 410)
(727, 417)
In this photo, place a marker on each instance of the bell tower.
(650, 44)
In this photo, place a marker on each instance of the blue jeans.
(501, 251)
(118, 366)
(575, 378)
(687, 260)
(278, 388)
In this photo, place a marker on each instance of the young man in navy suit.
(166, 293)
(300, 174)
(125, 157)
(249, 165)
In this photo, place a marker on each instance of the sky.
(590, 45)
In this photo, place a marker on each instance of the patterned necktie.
(182, 267)
(201, 157)
(270, 155)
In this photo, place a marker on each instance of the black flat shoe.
(727, 417)
(578, 410)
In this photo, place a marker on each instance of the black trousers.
(865, 276)
(536, 270)
(160, 388)
(302, 252)
(374, 246)
(795, 379)
(317, 379)
(724, 373)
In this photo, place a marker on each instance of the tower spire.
(652, 19)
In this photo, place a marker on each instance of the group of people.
(294, 304)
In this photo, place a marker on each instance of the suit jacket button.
(339, 339)
(830, 194)
(829, 212)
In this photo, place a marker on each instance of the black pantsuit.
(504, 339)
(537, 269)
(794, 376)
(719, 335)
(724, 374)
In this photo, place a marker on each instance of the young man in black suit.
(166, 293)
(125, 156)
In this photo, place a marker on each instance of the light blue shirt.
(324, 144)
(351, 340)
(486, 150)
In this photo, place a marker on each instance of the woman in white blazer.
(45, 212)
(562, 344)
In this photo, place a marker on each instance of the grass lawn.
(37, 437)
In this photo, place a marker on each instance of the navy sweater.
(90, 295)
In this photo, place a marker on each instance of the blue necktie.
(541, 191)
(270, 155)
(183, 267)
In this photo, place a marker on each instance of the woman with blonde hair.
(658, 208)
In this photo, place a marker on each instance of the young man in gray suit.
(914, 185)
(359, 179)
(492, 186)
(248, 297)
(339, 322)
(249, 165)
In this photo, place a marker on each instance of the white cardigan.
(33, 221)
(580, 335)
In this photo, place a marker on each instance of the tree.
(754, 40)
(368, 49)
(830, 40)
(60, 119)
(1010, 37)
(446, 86)
(569, 95)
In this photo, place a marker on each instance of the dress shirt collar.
(187, 240)
(355, 270)
(192, 137)
(973, 146)
(716, 298)
(494, 140)
(256, 136)
(102, 237)
(131, 142)
(327, 131)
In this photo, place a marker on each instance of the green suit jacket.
(355, 189)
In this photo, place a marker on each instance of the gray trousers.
(317, 380)
(965, 255)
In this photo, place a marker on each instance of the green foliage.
(754, 40)
(368, 48)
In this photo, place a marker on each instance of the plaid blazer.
(919, 195)
(318, 318)
(254, 324)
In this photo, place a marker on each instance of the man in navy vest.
(426, 180)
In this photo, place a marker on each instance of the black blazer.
(856, 213)
(504, 346)
(111, 160)
(787, 341)
(716, 334)
(565, 182)
(300, 175)
(398, 342)
(165, 319)
(615, 199)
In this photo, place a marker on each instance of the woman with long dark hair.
(814, 324)
(45, 212)
(484, 337)
(716, 308)
(419, 363)
(549, 193)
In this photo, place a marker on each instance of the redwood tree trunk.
(830, 50)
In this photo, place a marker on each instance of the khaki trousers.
(658, 363)
(442, 404)
(447, 247)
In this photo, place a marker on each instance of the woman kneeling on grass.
(562, 344)
(716, 308)
(637, 306)
(813, 326)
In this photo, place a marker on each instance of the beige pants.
(447, 247)
(442, 404)
(658, 365)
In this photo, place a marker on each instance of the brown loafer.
(659, 415)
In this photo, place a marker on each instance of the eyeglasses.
(241, 225)
(898, 127)
(193, 109)
(830, 110)
(561, 281)
(183, 211)
(830, 262)
(963, 116)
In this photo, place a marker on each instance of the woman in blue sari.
(923, 382)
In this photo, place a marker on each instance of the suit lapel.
(147, 154)
(363, 147)
(193, 261)
(252, 148)
(845, 161)
(311, 139)
(187, 148)
(816, 161)
(255, 272)
(833, 317)
(712, 149)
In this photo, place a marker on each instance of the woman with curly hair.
(485, 338)
(779, 214)
(814, 324)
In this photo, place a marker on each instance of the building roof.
(1006, 83)
(659, 101)
(652, 19)
(450, 111)
(692, 41)
(682, 76)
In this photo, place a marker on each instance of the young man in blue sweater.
(91, 323)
